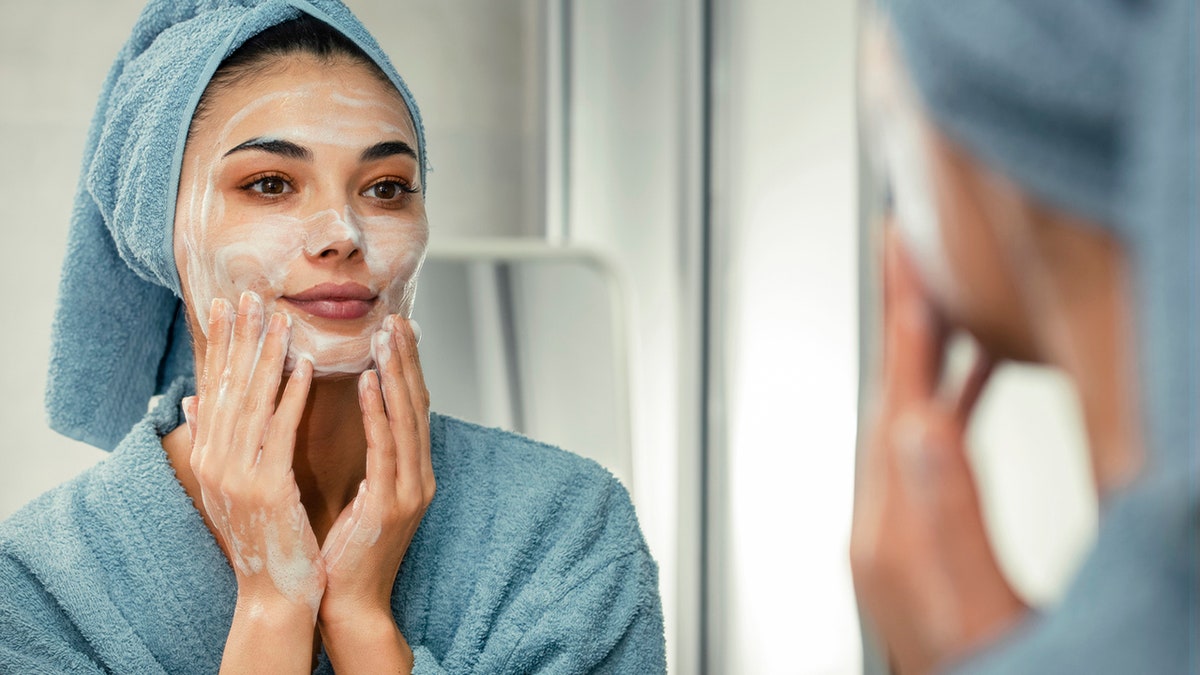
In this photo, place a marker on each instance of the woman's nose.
(333, 236)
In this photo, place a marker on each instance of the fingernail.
(304, 368)
(380, 347)
(416, 330)
(363, 385)
(220, 309)
(389, 322)
(278, 322)
(187, 404)
(361, 496)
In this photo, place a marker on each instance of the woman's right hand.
(242, 458)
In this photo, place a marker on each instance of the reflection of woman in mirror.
(284, 515)
(1040, 160)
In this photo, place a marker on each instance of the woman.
(290, 521)
(1042, 168)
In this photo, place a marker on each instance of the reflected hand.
(368, 541)
(923, 567)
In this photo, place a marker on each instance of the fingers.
(235, 422)
(279, 441)
(395, 404)
(220, 325)
(343, 530)
(189, 405)
(938, 475)
(381, 447)
(406, 338)
(406, 341)
(239, 366)
(938, 478)
(401, 409)
(914, 339)
(972, 389)
(258, 404)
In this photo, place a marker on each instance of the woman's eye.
(269, 185)
(389, 190)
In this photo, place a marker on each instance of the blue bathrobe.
(529, 559)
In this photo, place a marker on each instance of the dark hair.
(302, 35)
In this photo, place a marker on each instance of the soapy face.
(961, 224)
(897, 131)
(301, 184)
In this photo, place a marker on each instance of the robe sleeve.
(610, 620)
(1133, 607)
(35, 635)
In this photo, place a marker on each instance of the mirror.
(529, 337)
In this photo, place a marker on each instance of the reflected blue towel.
(119, 335)
(529, 559)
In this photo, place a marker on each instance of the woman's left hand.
(923, 567)
(367, 543)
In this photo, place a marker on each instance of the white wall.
(53, 59)
(634, 192)
(786, 311)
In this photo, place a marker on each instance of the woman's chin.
(332, 361)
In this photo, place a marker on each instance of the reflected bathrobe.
(529, 559)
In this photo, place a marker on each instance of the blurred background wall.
(644, 246)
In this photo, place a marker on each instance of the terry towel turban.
(119, 333)
(1090, 105)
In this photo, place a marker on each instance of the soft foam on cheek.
(916, 209)
(205, 206)
(900, 136)
(394, 250)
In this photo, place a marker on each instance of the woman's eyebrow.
(387, 149)
(274, 146)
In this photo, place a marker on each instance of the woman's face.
(300, 183)
(945, 208)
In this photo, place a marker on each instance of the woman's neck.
(331, 450)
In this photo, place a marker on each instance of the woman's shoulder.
(524, 488)
(508, 450)
(49, 514)
(524, 466)
(107, 486)
(61, 517)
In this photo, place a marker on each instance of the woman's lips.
(335, 301)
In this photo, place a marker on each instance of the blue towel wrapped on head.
(119, 333)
